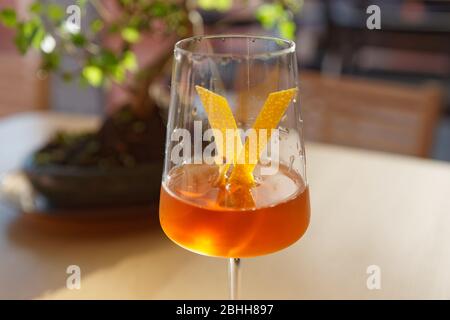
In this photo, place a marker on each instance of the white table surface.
(368, 208)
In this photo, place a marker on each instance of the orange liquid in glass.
(200, 216)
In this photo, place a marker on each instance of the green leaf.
(117, 69)
(82, 3)
(130, 34)
(37, 37)
(287, 29)
(29, 33)
(129, 61)
(118, 74)
(8, 17)
(113, 28)
(21, 40)
(97, 25)
(105, 59)
(269, 14)
(55, 12)
(93, 75)
(219, 5)
(273, 15)
(78, 40)
(51, 61)
(126, 2)
(36, 7)
(159, 9)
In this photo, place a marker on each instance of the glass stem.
(234, 274)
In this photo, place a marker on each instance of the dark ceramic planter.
(76, 187)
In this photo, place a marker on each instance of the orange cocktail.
(210, 219)
(234, 182)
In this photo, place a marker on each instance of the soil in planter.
(124, 140)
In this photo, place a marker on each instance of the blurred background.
(382, 89)
(82, 126)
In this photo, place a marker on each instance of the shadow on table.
(40, 248)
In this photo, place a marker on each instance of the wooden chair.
(369, 114)
(20, 87)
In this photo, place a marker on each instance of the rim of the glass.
(289, 49)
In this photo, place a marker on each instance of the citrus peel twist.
(220, 117)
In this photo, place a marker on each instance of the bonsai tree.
(134, 134)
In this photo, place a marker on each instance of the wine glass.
(234, 182)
